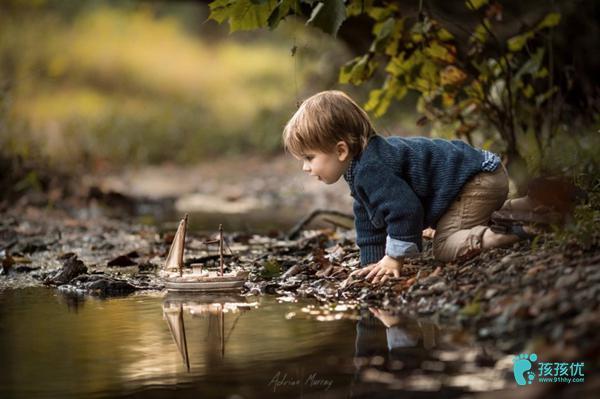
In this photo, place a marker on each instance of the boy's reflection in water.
(389, 346)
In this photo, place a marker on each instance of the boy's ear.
(342, 150)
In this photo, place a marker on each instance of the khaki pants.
(460, 230)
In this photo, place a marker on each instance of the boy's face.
(327, 167)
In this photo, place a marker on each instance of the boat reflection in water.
(214, 307)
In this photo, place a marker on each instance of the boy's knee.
(440, 250)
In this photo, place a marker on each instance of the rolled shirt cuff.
(398, 338)
(397, 248)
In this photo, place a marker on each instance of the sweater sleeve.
(393, 203)
(370, 240)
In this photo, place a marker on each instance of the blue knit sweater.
(402, 185)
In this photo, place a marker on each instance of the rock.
(106, 286)
(72, 268)
(292, 271)
(66, 256)
(32, 245)
(567, 280)
(24, 269)
(121, 260)
(439, 287)
(147, 267)
(418, 293)
(507, 258)
(431, 279)
(497, 267)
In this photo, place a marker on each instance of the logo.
(522, 368)
(563, 372)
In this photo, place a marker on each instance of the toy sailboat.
(198, 280)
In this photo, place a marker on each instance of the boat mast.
(180, 260)
(221, 247)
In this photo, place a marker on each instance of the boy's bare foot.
(494, 239)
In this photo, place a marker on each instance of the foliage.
(468, 76)
(126, 85)
(582, 231)
(270, 268)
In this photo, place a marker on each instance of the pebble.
(497, 267)
(439, 287)
(567, 281)
(429, 280)
(490, 293)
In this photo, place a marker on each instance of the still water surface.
(54, 345)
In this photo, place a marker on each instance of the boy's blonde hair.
(325, 119)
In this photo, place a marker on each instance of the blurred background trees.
(142, 82)
(104, 84)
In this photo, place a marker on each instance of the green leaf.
(402, 91)
(444, 35)
(242, 14)
(328, 16)
(471, 309)
(358, 70)
(429, 72)
(516, 43)
(357, 7)
(385, 102)
(379, 13)
(380, 99)
(374, 99)
(437, 51)
(392, 47)
(528, 91)
(399, 65)
(382, 31)
(475, 4)
(550, 20)
(220, 10)
(270, 268)
(480, 34)
(281, 11)
(542, 73)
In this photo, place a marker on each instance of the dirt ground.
(541, 296)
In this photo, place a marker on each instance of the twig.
(336, 223)
(293, 233)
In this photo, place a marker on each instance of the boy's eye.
(309, 157)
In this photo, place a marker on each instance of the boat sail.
(174, 262)
(178, 280)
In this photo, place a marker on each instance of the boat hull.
(204, 286)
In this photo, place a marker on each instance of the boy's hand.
(381, 271)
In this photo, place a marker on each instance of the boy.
(400, 185)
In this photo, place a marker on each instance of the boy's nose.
(305, 167)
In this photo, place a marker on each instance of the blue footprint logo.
(522, 367)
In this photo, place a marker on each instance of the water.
(58, 346)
